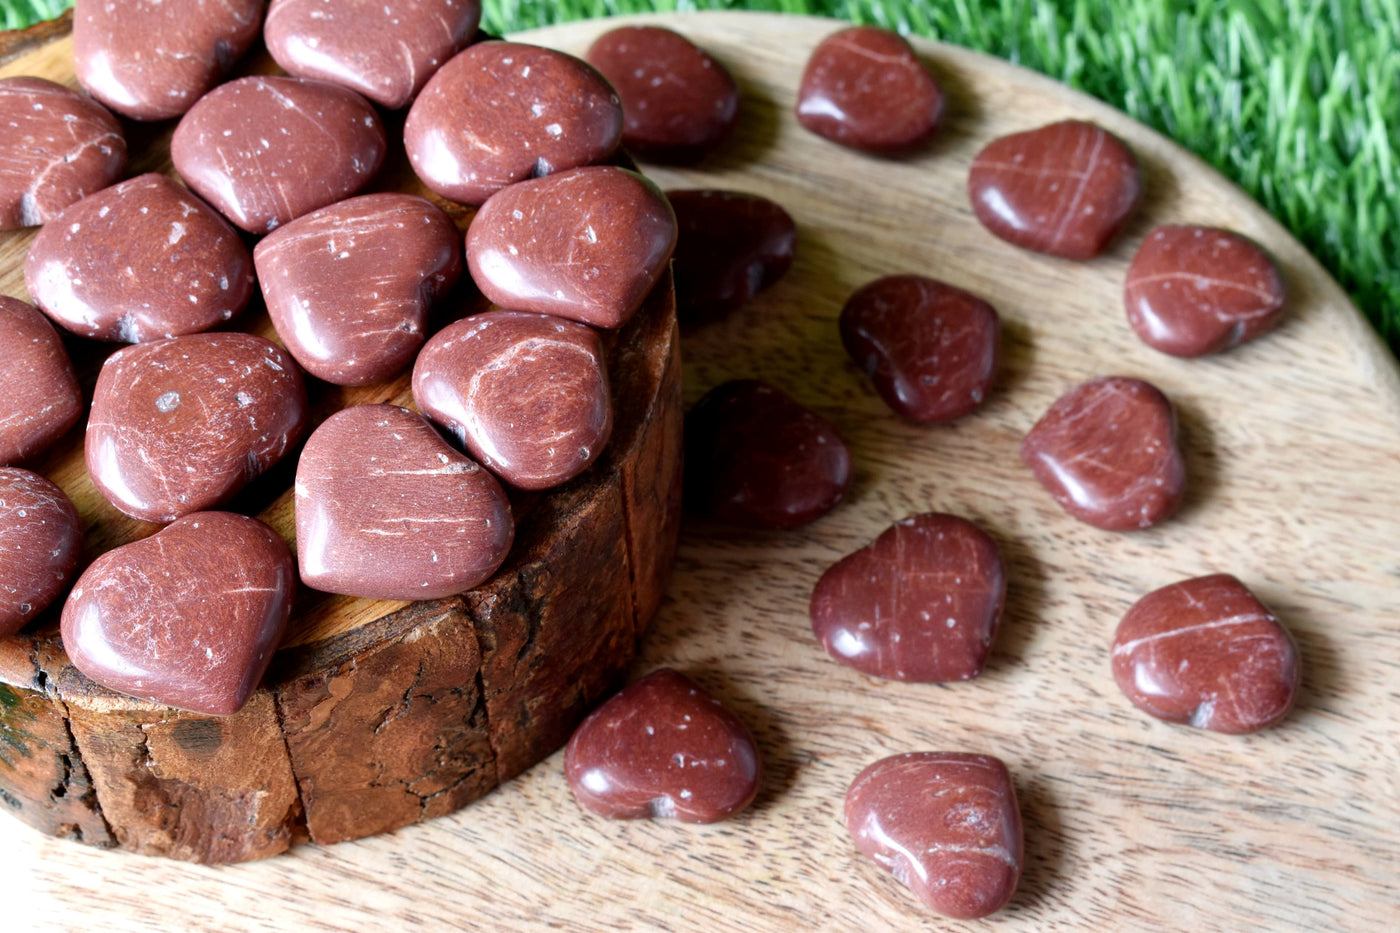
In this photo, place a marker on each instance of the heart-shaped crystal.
(386, 509)
(188, 617)
(663, 747)
(921, 602)
(526, 394)
(946, 824)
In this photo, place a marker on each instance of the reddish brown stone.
(141, 260)
(731, 245)
(930, 348)
(349, 286)
(58, 147)
(152, 59)
(526, 394)
(187, 618)
(37, 382)
(41, 539)
(865, 88)
(1208, 653)
(946, 824)
(1065, 189)
(385, 51)
(757, 459)
(387, 510)
(266, 149)
(180, 426)
(1107, 451)
(663, 747)
(920, 603)
(1196, 290)
(678, 102)
(587, 244)
(502, 112)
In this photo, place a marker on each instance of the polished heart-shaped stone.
(142, 260)
(386, 509)
(188, 617)
(678, 102)
(41, 539)
(663, 747)
(385, 51)
(945, 824)
(266, 149)
(181, 425)
(757, 458)
(152, 59)
(864, 87)
(921, 602)
(1107, 451)
(58, 147)
(502, 112)
(587, 244)
(731, 245)
(1195, 290)
(37, 382)
(1208, 653)
(349, 286)
(526, 394)
(930, 348)
(1065, 189)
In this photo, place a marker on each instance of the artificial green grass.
(1298, 101)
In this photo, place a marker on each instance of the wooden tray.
(1293, 444)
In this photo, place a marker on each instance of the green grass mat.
(1297, 101)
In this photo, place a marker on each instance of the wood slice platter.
(1292, 446)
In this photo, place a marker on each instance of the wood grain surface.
(1292, 443)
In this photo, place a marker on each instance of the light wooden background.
(1293, 448)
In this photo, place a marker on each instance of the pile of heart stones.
(186, 415)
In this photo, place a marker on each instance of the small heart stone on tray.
(385, 51)
(349, 286)
(864, 87)
(386, 509)
(501, 112)
(150, 60)
(58, 147)
(141, 260)
(1107, 451)
(930, 348)
(946, 824)
(266, 149)
(526, 394)
(663, 747)
(919, 603)
(587, 244)
(41, 539)
(1208, 653)
(37, 381)
(1065, 189)
(188, 617)
(758, 459)
(181, 425)
(678, 102)
(731, 246)
(1195, 290)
